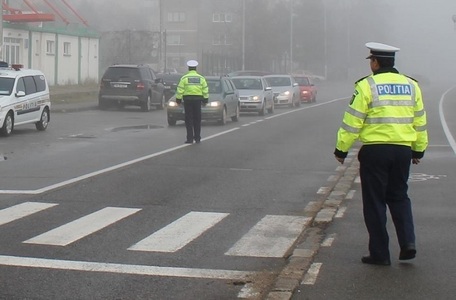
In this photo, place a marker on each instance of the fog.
(424, 30)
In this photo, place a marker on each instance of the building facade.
(68, 55)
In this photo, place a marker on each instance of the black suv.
(131, 85)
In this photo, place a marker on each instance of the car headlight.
(305, 92)
(256, 98)
(287, 93)
(214, 104)
(172, 104)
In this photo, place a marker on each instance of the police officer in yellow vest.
(387, 115)
(193, 90)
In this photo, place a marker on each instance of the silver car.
(285, 88)
(254, 94)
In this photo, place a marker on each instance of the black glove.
(179, 101)
(205, 100)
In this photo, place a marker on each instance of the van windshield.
(6, 86)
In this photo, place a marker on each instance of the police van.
(24, 98)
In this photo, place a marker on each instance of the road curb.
(322, 212)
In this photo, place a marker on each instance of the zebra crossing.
(272, 236)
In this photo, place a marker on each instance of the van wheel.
(8, 125)
(42, 124)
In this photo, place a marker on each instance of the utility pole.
(243, 35)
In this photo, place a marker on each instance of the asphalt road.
(112, 205)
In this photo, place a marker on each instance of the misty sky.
(424, 31)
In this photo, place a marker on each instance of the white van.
(24, 98)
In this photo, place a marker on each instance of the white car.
(254, 94)
(24, 98)
(285, 88)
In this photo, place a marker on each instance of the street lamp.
(291, 36)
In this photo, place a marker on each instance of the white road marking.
(340, 212)
(329, 240)
(73, 231)
(350, 194)
(106, 170)
(121, 165)
(249, 292)
(22, 210)
(446, 130)
(311, 276)
(179, 233)
(271, 237)
(42, 263)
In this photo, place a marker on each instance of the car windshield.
(302, 81)
(247, 83)
(116, 73)
(6, 86)
(279, 81)
(215, 86)
(170, 77)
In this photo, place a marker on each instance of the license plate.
(120, 86)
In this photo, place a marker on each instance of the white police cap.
(192, 63)
(381, 50)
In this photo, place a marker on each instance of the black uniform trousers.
(193, 118)
(384, 172)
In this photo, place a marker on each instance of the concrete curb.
(322, 212)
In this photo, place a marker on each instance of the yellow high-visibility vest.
(192, 84)
(386, 108)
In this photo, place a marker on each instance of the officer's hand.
(203, 104)
(415, 161)
(179, 101)
(340, 159)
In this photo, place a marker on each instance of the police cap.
(381, 50)
(192, 63)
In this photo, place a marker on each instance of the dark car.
(123, 85)
(170, 81)
(223, 103)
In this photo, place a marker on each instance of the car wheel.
(262, 111)
(235, 118)
(271, 109)
(298, 103)
(171, 122)
(222, 121)
(43, 123)
(8, 125)
(161, 105)
(145, 106)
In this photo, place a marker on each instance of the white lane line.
(446, 130)
(179, 233)
(73, 231)
(249, 291)
(270, 237)
(340, 212)
(311, 276)
(350, 194)
(30, 262)
(329, 240)
(102, 171)
(22, 210)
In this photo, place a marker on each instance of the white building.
(67, 55)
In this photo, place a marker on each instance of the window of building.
(67, 48)
(176, 17)
(11, 50)
(221, 39)
(222, 17)
(173, 39)
(50, 47)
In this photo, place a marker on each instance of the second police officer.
(387, 115)
(193, 91)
